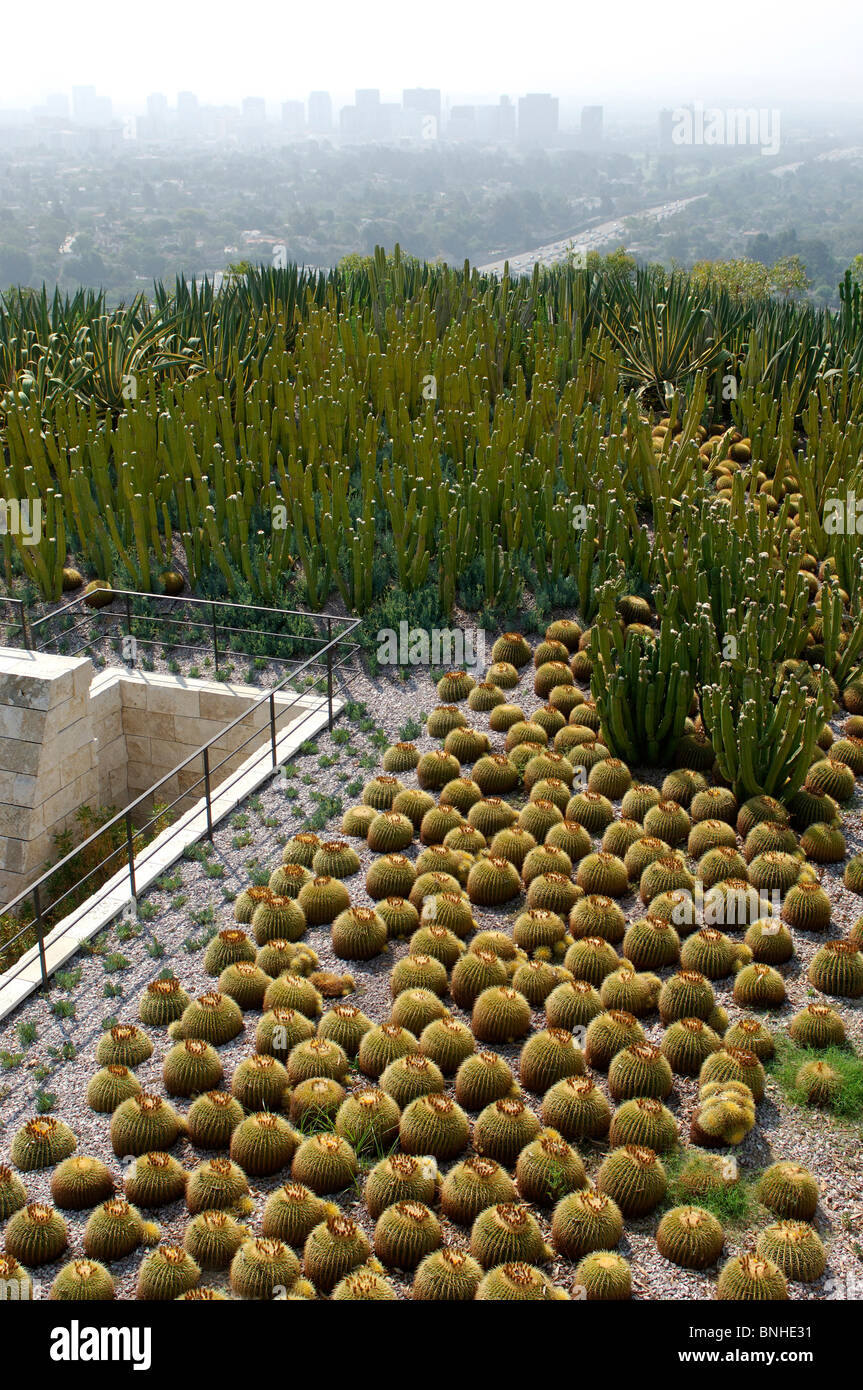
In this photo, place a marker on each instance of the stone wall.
(69, 738)
(48, 764)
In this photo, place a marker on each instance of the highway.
(589, 239)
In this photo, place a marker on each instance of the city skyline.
(421, 114)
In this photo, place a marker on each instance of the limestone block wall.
(48, 761)
(70, 738)
(166, 719)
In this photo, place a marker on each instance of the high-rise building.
(293, 117)
(666, 122)
(426, 100)
(537, 118)
(507, 118)
(462, 123)
(591, 125)
(88, 109)
(320, 113)
(188, 113)
(254, 111)
(367, 118)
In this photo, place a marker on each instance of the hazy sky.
(761, 52)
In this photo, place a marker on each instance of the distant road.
(589, 239)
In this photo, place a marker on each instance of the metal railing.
(77, 627)
(333, 654)
(18, 606)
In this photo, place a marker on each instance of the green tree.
(788, 276)
(741, 278)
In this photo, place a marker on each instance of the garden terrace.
(176, 930)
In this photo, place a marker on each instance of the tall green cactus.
(764, 737)
(643, 685)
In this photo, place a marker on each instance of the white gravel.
(829, 1147)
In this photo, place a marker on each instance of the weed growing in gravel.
(27, 1034)
(10, 1060)
(96, 947)
(732, 1202)
(847, 1101)
(45, 1102)
(68, 979)
(199, 852)
(115, 960)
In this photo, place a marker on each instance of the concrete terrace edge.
(92, 916)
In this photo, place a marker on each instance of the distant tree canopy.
(357, 262)
(746, 278)
(619, 259)
(856, 268)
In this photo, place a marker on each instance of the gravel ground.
(176, 919)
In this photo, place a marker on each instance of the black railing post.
(273, 728)
(207, 793)
(24, 631)
(130, 852)
(40, 931)
(330, 674)
(215, 636)
(133, 661)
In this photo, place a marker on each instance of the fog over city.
(755, 53)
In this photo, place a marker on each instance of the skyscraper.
(320, 113)
(88, 109)
(254, 111)
(666, 121)
(293, 117)
(426, 100)
(591, 125)
(537, 118)
(188, 113)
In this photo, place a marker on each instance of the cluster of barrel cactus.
(556, 937)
